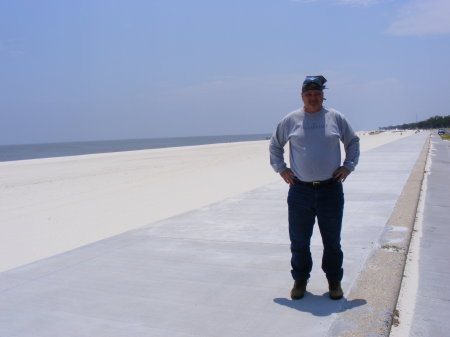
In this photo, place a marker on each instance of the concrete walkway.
(222, 270)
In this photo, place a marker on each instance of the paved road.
(222, 270)
(432, 310)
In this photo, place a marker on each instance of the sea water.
(48, 150)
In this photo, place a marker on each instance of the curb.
(380, 281)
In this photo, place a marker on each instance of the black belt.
(315, 183)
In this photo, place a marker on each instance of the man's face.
(312, 100)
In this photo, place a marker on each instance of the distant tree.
(431, 123)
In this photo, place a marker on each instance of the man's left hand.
(341, 174)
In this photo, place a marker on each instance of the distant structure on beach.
(431, 123)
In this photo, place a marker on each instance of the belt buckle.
(316, 183)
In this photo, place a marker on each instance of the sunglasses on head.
(319, 79)
(313, 79)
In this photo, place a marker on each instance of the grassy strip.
(445, 137)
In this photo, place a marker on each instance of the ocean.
(49, 150)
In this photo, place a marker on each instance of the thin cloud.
(304, 1)
(8, 48)
(363, 3)
(3, 47)
(423, 17)
(355, 3)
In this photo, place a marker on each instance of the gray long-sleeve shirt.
(314, 144)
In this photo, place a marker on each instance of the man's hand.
(341, 174)
(288, 176)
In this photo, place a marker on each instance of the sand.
(49, 206)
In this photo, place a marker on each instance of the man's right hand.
(288, 176)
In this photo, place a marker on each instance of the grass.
(445, 137)
(392, 248)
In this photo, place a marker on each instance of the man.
(315, 177)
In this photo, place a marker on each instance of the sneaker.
(336, 292)
(298, 291)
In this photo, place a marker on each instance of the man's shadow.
(320, 305)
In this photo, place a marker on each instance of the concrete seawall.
(223, 269)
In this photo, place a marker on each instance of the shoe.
(336, 292)
(298, 291)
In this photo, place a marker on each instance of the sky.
(110, 69)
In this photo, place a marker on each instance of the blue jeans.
(305, 203)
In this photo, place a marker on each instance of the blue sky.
(88, 70)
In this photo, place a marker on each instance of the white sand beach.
(49, 206)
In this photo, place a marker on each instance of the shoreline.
(15, 152)
(391, 135)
